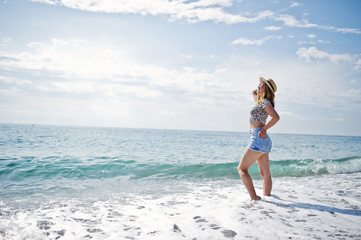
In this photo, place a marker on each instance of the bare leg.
(264, 169)
(248, 159)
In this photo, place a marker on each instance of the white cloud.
(323, 41)
(272, 28)
(72, 87)
(257, 42)
(357, 65)
(342, 30)
(86, 68)
(5, 41)
(170, 113)
(15, 81)
(74, 59)
(193, 11)
(348, 30)
(311, 36)
(186, 56)
(291, 21)
(320, 41)
(202, 10)
(103, 80)
(188, 69)
(51, 2)
(313, 52)
(140, 92)
(306, 42)
(295, 4)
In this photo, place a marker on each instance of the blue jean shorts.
(258, 143)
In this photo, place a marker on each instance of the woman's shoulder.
(265, 102)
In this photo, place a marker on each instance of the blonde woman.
(260, 145)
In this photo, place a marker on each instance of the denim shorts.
(258, 143)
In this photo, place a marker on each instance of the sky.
(181, 64)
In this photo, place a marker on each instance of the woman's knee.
(266, 175)
(242, 170)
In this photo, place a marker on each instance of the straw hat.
(270, 83)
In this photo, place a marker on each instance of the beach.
(299, 209)
(62, 183)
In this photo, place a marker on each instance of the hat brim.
(261, 79)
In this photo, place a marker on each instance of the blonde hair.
(268, 94)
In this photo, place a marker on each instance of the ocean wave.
(309, 167)
(18, 170)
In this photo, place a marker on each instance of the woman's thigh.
(263, 165)
(249, 158)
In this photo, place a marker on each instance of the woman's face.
(260, 88)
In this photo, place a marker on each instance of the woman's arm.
(274, 119)
(254, 94)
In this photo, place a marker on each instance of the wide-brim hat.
(270, 83)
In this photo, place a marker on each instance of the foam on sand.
(324, 207)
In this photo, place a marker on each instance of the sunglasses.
(260, 85)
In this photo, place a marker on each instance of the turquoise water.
(36, 161)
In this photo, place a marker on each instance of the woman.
(260, 146)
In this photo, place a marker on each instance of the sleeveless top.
(258, 114)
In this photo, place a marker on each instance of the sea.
(62, 182)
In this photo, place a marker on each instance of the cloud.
(311, 36)
(272, 28)
(257, 42)
(170, 113)
(295, 4)
(195, 11)
(313, 52)
(186, 56)
(13, 81)
(5, 41)
(348, 30)
(50, 2)
(82, 80)
(320, 41)
(341, 30)
(357, 65)
(291, 21)
(112, 90)
(73, 66)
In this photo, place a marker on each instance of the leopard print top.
(258, 114)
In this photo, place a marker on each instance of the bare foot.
(267, 197)
(256, 198)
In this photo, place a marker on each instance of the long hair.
(269, 94)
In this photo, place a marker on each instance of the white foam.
(325, 207)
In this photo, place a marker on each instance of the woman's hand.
(262, 133)
(254, 94)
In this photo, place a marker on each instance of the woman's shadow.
(321, 208)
